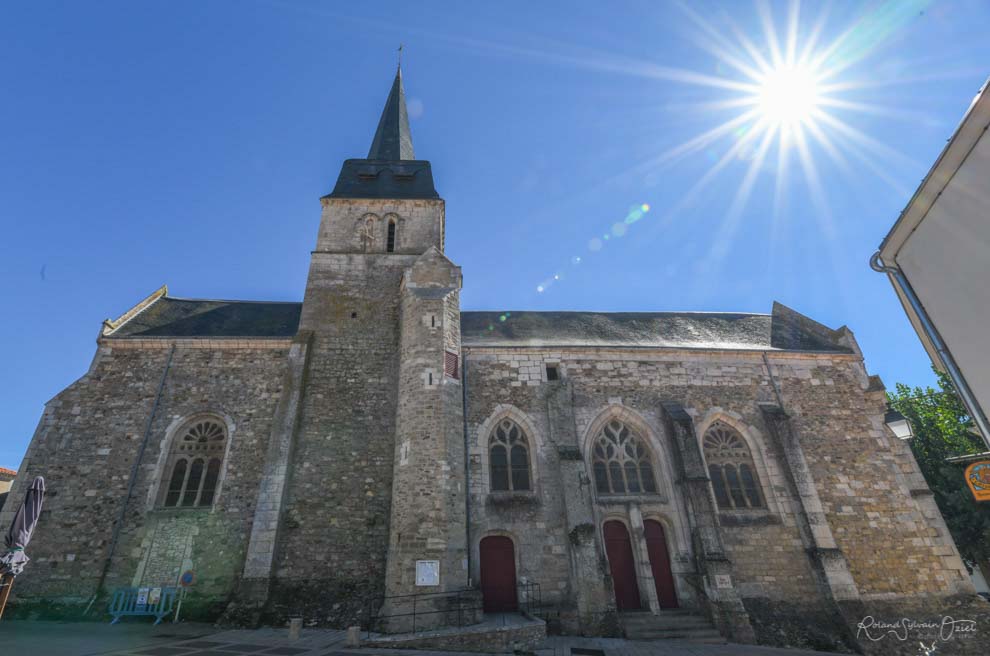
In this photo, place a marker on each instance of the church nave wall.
(862, 476)
(86, 445)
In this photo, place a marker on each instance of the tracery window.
(621, 462)
(508, 453)
(194, 464)
(730, 466)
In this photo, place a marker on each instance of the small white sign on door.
(427, 572)
(723, 581)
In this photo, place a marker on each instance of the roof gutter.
(901, 284)
(956, 138)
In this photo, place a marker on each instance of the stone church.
(626, 470)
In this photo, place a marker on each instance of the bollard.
(353, 636)
(295, 626)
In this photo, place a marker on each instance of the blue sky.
(188, 143)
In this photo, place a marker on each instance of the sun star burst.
(788, 95)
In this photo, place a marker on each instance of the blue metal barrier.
(150, 602)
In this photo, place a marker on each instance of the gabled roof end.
(110, 326)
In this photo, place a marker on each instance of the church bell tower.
(382, 304)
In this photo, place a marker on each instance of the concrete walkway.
(26, 638)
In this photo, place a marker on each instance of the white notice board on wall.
(427, 572)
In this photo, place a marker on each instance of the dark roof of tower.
(393, 140)
(783, 329)
(391, 169)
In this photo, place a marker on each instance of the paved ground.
(136, 638)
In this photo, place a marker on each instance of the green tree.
(942, 429)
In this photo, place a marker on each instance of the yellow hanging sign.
(978, 479)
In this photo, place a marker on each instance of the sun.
(783, 101)
(788, 95)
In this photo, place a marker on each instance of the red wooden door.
(498, 574)
(663, 578)
(618, 548)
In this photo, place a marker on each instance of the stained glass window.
(620, 462)
(730, 466)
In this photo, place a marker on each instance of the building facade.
(7, 477)
(375, 441)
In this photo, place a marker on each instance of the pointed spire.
(393, 140)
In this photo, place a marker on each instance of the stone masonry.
(374, 445)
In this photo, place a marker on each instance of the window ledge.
(189, 510)
(511, 498)
(645, 497)
(748, 517)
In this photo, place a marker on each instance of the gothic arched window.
(730, 466)
(508, 453)
(194, 463)
(390, 237)
(621, 462)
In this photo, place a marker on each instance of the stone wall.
(334, 527)
(862, 473)
(895, 546)
(428, 515)
(344, 226)
(85, 447)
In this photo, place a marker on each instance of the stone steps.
(670, 625)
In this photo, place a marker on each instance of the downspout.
(467, 466)
(948, 363)
(131, 483)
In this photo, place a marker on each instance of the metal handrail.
(420, 594)
(528, 595)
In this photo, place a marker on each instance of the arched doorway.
(498, 574)
(663, 578)
(618, 548)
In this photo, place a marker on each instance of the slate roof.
(784, 329)
(365, 178)
(393, 139)
(186, 317)
(391, 169)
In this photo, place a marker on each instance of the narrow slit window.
(210, 482)
(520, 467)
(390, 238)
(500, 468)
(175, 485)
(552, 372)
(191, 495)
(718, 484)
(749, 486)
